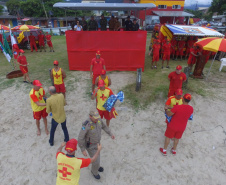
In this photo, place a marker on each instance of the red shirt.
(180, 118)
(48, 38)
(156, 48)
(22, 60)
(31, 38)
(41, 38)
(173, 42)
(176, 80)
(163, 41)
(166, 48)
(181, 44)
(98, 65)
(190, 43)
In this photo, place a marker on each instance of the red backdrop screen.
(122, 50)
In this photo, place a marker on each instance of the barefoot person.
(22, 62)
(58, 75)
(90, 136)
(68, 166)
(97, 64)
(101, 94)
(49, 42)
(38, 105)
(175, 129)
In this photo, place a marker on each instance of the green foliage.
(198, 14)
(13, 6)
(1, 9)
(218, 6)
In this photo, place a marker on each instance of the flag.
(8, 57)
(6, 45)
(21, 37)
(13, 43)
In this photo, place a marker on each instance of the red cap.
(71, 145)
(179, 92)
(103, 72)
(47, 32)
(37, 83)
(101, 83)
(187, 96)
(21, 51)
(98, 52)
(55, 62)
(179, 67)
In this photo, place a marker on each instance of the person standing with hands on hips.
(90, 136)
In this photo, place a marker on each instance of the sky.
(203, 2)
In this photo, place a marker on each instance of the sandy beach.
(133, 158)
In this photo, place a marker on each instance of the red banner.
(122, 50)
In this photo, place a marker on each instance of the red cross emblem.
(40, 96)
(57, 76)
(103, 97)
(64, 172)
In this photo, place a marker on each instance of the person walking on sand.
(175, 129)
(38, 105)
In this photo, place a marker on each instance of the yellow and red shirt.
(102, 97)
(57, 76)
(172, 101)
(106, 81)
(68, 169)
(37, 96)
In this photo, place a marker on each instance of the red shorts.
(191, 60)
(60, 88)
(170, 133)
(41, 43)
(166, 56)
(108, 115)
(94, 78)
(24, 69)
(40, 114)
(155, 58)
(50, 44)
(173, 51)
(180, 52)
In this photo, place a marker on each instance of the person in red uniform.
(49, 42)
(180, 48)
(97, 64)
(155, 49)
(189, 45)
(175, 129)
(22, 61)
(166, 53)
(194, 53)
(176, 79)
(41, 41)
(32, 42)
(164, 40)
(16, 51)
(173, 47)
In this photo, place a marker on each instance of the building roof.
(173, 14)
(105, 6)
(203, 8)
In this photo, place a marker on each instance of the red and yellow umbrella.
(25, 28)
(213, 44)
(2, 27)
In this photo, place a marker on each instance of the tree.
(1, 9)
(13, 6)
(218, 6)
(197, 14)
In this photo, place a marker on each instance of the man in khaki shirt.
(55, 104)
(90, 136)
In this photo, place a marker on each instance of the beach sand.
(133, 158)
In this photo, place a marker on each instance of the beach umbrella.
(25, 28)
(213, 44)
(2, 27)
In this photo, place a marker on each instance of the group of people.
(114, 24)
(90, 133)
(41, 42)
(175, 48)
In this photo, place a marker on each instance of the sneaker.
(173, 151)
(51, 144)
(101, 169)
(162, 67)
(163, 153)
(25, 81)
(53, 51)
(96, 176)
(167, 67)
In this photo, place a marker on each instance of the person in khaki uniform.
(117, 25)
(111, 23)
(90, 136)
